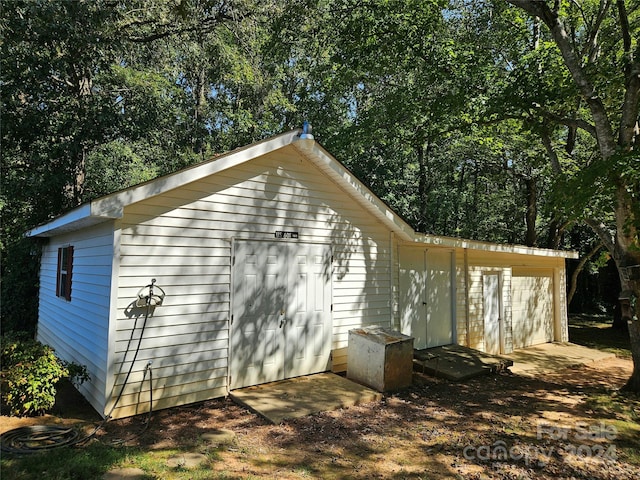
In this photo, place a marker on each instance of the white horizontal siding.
(200, 330)
(179, 362)
(78, 330)
(183, 239)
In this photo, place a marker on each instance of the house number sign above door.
(283, 234)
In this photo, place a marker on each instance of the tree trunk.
(623, 244)
(532, 211)
(422, 152)
(556, 231)
(80, 176)
(633, 384)
(198, 112)
(459, 189)
(578, 270)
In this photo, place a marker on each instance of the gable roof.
(110, 207)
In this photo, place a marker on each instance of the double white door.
(281, 312)
(427, 279)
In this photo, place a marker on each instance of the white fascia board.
(345, 179)
(451, 242)
(354, 187)
(63, 223)
(113, 205)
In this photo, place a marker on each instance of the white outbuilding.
(268, 256)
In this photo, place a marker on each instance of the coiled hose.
(38, 438)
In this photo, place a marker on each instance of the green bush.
(30, 373)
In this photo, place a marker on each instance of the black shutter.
(67, 289)
(58, 272)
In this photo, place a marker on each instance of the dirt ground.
(561, 425)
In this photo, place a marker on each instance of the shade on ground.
(298, 397)
(552, 357)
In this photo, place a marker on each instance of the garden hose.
(37, 438)
(149, 413)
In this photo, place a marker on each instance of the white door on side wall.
(493, 326)
(281, 312)
(532, 307)
(426, 296)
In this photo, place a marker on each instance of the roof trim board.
(354, 187)
(79, 217)
(452, 242)
(112, 206)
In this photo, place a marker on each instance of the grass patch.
(594, 331)
(622, 412)
(622, 406)
(66, 463)
(95, 460)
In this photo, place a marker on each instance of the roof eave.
(114, 203)
(112, 206)
(76, 219)
(452, 242)
(314, 152)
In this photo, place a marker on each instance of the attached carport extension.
(492, 298)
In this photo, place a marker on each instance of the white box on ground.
(380, 358)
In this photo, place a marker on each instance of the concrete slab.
(218, 437)
(551, 357)
(298, 397)
(187, 460)
(125, 474)
(458, 363)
